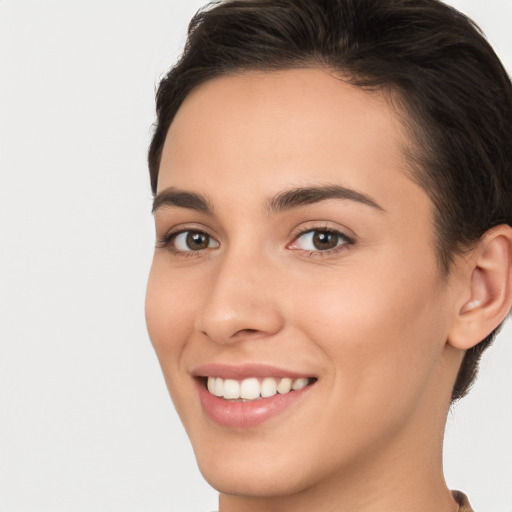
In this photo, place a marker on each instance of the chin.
(262, 468)
(254, 482)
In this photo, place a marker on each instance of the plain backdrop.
(85, 421)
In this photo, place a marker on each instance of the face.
(294, 250)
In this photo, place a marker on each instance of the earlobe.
(486, 291)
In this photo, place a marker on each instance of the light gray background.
(85, 420)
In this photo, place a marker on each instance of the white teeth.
(250, 389)
(219, 387)
(284, 386)
(253, 388)
(231, 389)
(299, 384)
(268, 387)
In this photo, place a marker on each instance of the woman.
(333, 202)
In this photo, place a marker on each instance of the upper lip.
(244, 371)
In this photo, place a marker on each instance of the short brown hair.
(435, 63)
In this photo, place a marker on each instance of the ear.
(485, 289)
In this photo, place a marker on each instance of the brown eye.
(320, 240)
(187, 241)
(197, 241)
(324, 240)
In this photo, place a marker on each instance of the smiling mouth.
(254, 388)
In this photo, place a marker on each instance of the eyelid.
(178, 236)
(324, 225)
(164, 241)
(346, 239)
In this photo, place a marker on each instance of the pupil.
(197, 240)
(324, 240)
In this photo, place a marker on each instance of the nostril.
(242, 332)
(223, 323)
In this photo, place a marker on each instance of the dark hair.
(434, 64)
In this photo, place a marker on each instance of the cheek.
(169, 315)
(170, 312)
(382, 333)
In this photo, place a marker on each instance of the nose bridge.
(242, 297)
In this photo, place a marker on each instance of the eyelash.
(347, 241)
(166, 242)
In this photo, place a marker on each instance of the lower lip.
(234, 414)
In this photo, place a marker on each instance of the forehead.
(264, 131)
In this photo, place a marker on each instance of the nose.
(242, 300)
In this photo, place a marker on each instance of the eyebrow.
(182, 199)
(297, 197)
(287, 200)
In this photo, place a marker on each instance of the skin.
(369, 320)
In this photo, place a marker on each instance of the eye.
(187, 241)
(320, 240)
